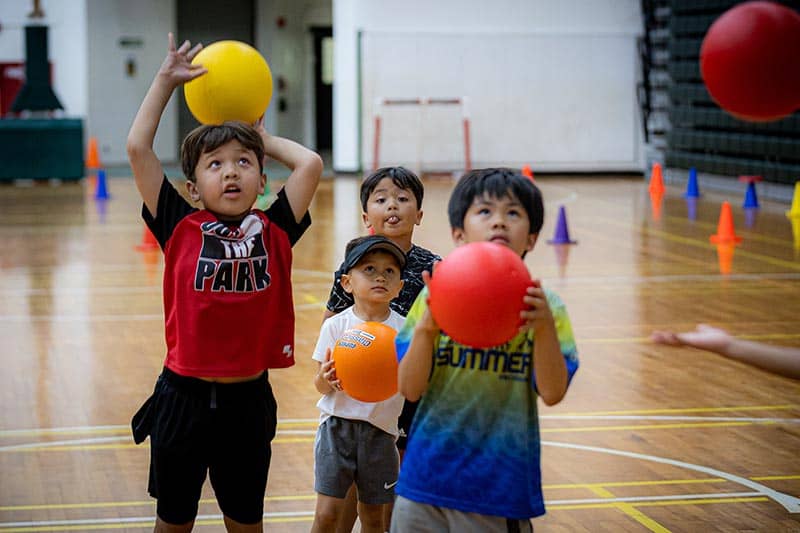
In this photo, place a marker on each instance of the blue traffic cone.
(692, 191)
(750, 214)
(750, 197)
(561, 235)
(101, 192)
(101, 206)
(691, 208)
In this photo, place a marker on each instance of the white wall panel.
(549, 83)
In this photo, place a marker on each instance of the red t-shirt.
(228, 304)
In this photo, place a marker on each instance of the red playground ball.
(366, 362)
(476, 294)
(750, 61)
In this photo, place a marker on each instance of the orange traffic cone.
(725, 232)
(92, 155)
(150, 259)
(656, 204)
(656, 180)
(149, 241)
(528, 172)
(725, 257)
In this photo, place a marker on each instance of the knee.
(326, 519)
(165, 527)
(371, 516)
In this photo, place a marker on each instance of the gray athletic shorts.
(414, 517)
(348, 451)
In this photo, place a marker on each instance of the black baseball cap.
(359, 247)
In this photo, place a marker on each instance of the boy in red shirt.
(227, 304)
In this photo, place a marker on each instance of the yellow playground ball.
(237, 86)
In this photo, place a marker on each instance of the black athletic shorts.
(196, 427)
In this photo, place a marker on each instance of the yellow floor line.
(632, 512)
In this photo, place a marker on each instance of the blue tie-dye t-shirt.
(474, 444)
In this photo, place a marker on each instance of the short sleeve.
(281, 214)
(172, 208)
(406, 333)
(328, 334)
(566, 340)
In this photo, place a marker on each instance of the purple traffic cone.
(561, 235)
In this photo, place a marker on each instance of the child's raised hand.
(177, 66)
(259, 126)
(538, 311)
(328, 372)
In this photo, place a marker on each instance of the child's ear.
(531, 241)
(419, 217)
(458, 236)
(191, 187)
(262, 183)
(400, 288)
(365, 219)
(345, 282)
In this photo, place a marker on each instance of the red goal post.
(421, 103)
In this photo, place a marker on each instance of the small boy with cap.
(356, 440)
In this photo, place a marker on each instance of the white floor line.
(790, 503)
(314, 421)
(106, 440)
(755, 420)
(67, 429)
(134, 520)
(57, 443)
(293, 514)
(677, 497)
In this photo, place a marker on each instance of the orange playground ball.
(366, 362)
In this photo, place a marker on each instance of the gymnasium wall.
(289, 51)
(92, 43)
(123, 32)
(548, 83)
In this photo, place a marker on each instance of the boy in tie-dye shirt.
(472, 461)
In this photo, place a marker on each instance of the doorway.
(207, 21)
(323, 86)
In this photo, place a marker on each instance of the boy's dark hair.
(400, 176)
(496, 182)
(209, 137)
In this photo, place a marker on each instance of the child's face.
(374, 279)
(502, 220)
(228, 180)
(391, 211)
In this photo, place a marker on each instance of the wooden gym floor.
(648, 438)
